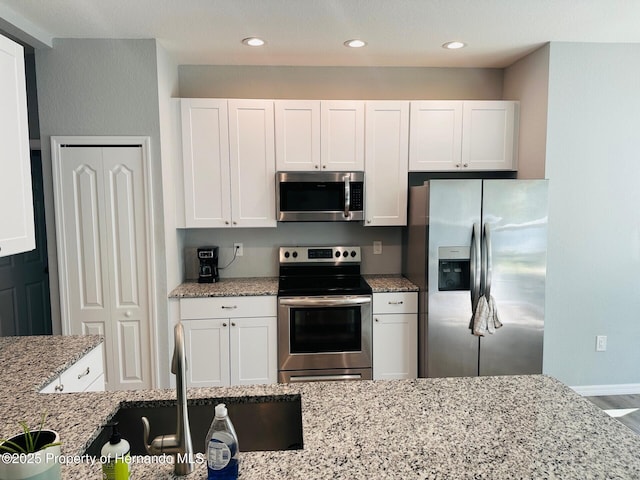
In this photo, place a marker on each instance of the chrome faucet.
(178, 443)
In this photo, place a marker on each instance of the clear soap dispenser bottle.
(222, 447)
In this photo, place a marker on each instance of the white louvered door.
(100, 200)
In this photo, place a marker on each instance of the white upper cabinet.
(297, 135)
(229, 163)
(463, 135)
(319, 135)
(342, 135)
(386, 162)
(205, 157)
(17, 232)
(436, 135)
(253, 163)
(489, 138)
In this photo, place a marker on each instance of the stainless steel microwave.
(320, 196)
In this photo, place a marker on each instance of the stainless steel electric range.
(324, 315)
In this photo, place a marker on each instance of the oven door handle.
(324, 301)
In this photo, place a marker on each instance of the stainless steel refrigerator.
(472, 238)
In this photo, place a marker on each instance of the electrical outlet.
(601, 343)
(238, 250)
(377, 247)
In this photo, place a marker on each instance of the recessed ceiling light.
(454, 45)
(355, 43)
(253, 41)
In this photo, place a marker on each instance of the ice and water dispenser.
(453, 268)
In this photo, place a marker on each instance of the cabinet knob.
(316, 167)
(457, 165)
(128, 314)
(224, 324)
(324, 166)
(369, 221)
(377, 320)
(226, 222)
(233, 324)
(235, 223)
(465, 165)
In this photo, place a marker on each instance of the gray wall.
(260, 245)
(339, 83)
(593, 166)
(99, 87)
(527, 81)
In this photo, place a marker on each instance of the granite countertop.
(524, 427)
(232, 287)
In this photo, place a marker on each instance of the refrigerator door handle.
(475, 271)
(487, 262)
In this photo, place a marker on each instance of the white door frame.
(56, 155)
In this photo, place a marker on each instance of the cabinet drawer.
(228, 307)
(395, 302)
(79, 376)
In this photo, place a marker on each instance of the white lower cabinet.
(230, 340)
(85, 375)
(395, 335)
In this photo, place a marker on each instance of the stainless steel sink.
(262, 423)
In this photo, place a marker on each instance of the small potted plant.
(31, 453)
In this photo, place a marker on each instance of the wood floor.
(625, 408)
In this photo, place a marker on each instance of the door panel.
(516, 213)
(129, 346)
(81, 224)
(106, 268)
(452, 350)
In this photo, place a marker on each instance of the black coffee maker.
(208, 271)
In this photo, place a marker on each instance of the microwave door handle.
(347, 196)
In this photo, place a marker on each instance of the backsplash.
(261, 245)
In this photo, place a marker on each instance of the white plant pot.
(41, 465)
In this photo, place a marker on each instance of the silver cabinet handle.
(230, 307)
(398, 302)
(84, 374)
(59, 388)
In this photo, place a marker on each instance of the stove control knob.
(337, 254)
(345, 254)
(286, 254)
(353, 253)
(295, 254)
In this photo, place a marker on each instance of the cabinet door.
(207, 352)
(395, 346)
(17, 231)
(342, 135)
(254, 351)
(297, 131)
(489, 135)
(435, 138)
(386, 163)
(253, 163)
(205, 156)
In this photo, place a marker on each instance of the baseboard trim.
(598, 390)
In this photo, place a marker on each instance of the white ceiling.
(312, 32)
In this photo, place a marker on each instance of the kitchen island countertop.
(509, 427)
